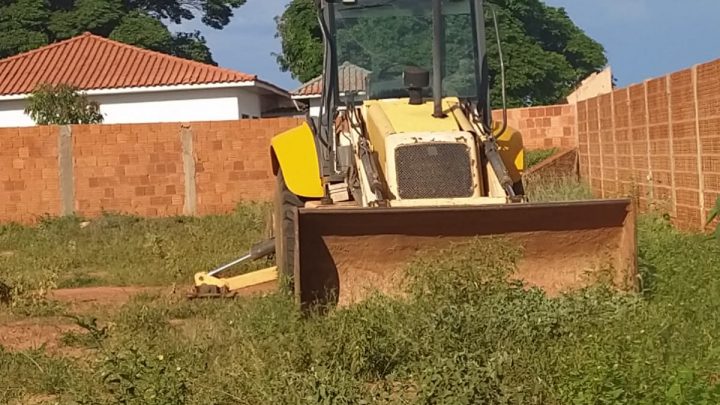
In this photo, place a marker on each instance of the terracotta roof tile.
(351, 78)
(91, 62)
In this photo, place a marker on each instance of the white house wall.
(12, 114)
(314, 107)
(163, 106)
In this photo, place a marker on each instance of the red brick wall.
(659, 140)
(137, 169)
(29, 181)
(543, 127)
(233, 162)
(134, 169)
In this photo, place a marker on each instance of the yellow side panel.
(404, 117)
(378, 128)
(296, 154)
(512, 151)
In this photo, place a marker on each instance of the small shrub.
(93, 336)
(467, 378)
(28, 295)
(133, 376)
(61, 104)
(456, 273)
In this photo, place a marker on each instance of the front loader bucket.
(344, 253)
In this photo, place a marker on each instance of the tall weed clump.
(556, 189)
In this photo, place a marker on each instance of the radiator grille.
(433, 170)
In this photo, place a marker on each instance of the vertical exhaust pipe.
(438, 34)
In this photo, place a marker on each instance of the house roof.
(91, 62)
(351, 78)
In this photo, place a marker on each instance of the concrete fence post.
(699, 154)
(613, 130)
(186, 140)
(65, 166)
(651, 176)
(576, 132)
(671, 139)
(600, 146)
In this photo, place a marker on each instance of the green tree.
(61, 105)
(29, 24)
(546, 54)
(302, 49)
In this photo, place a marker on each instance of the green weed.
(132, 377)
(27, 295)
(34, 372)
(93, 336)
(536, 156)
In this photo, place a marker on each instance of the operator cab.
(393, 38)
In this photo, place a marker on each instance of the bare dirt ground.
(35, 400)
(80, 298)
(31, 333)
(38, 332)
(20, 333)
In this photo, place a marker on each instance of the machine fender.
(510, 144)
(294, 152)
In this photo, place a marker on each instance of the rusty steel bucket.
(342, 254)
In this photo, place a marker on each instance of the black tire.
(284, 224)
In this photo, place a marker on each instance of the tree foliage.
(546, 54)
(302, 50)
(61, 104)
(29, 24)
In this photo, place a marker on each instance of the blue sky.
(643, 38)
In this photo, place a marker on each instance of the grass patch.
(33, 372)
(556, 189)
(536, 156)
(462, 336)
(124, 250)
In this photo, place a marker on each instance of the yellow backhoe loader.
(402, 156)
